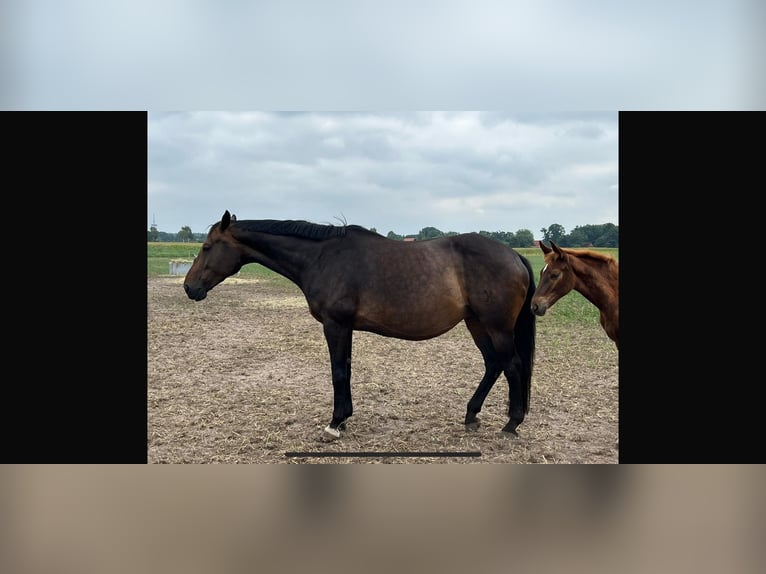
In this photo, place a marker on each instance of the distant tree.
(152, 234)
(429, 233)
(610, 237)
(165, 236)
(507, 237)
(523, 238)
(395, 236)
(603, 235)
(578, 238)
(185, 234)
(554, 232)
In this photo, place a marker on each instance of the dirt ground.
(244, 377)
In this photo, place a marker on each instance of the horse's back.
(482, 256)
(469, 258)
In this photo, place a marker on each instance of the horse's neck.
(597, 282)
(284, 254)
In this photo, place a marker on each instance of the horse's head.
(556, 279)
(219, 257)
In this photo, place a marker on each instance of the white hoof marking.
(335, 433)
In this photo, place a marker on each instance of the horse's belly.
(411, 306)
(414, 324)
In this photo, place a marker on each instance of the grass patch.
(160, 254)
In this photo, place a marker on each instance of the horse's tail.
(525, 336)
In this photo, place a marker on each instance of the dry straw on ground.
(244, 377)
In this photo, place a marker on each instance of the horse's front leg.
(339, 344)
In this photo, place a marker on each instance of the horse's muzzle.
(537, 309)
(195, 293)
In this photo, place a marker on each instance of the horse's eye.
(555, 274)
(205, 247)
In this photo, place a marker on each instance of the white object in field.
(180, 266)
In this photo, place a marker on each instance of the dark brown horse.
(355, 279)
(594, 275)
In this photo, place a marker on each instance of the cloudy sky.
(456, 171)
(393, 55)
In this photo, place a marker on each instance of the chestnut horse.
(594, 275)
(356, 279)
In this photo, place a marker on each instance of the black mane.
(295, 228)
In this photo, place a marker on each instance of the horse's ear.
(225, 220)
(545, 249)
(233, 217)
(557, 249)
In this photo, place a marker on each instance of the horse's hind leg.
(507, 360)
(339, 343)
(492, 370)
(515, 394)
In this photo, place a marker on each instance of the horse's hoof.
(510, 430)
(331, 432)
(473, 425)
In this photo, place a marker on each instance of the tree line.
(602, 235)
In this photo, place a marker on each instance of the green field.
(159, 256)
(572, 308)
